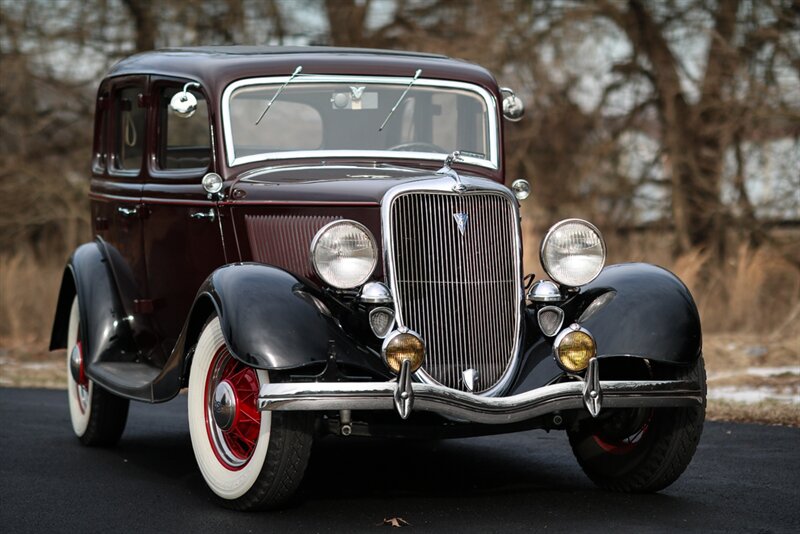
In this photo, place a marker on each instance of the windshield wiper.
(279, 91)
(414, 79)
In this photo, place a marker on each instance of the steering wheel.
(418, 146)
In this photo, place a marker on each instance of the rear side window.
(130, 129)
(184, 142)
(100, 133)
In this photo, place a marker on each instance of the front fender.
(272, 320)
(633, 310)
(646, 312)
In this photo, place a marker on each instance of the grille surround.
(473, 187)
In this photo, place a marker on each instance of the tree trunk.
(347, 22)
(144, 23)
(694, 136)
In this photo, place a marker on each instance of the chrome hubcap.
(79, 376)
(224, 405)
(75, 360)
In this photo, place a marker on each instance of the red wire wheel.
(82, 383)
(232, 418)
(620, 445)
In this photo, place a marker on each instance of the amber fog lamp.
(401, 346)
(574, 347)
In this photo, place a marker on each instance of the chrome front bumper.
(402, 395)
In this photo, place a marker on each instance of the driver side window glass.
(183, 142)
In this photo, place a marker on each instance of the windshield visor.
(328, 117)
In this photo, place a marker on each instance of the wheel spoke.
(236, 443)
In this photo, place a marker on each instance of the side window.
(130, 129)
(184, 142)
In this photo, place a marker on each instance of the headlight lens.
(344, 254)
(573, 252)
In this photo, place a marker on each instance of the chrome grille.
(460, 291)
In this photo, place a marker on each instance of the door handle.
(128, 212)
(209, 215)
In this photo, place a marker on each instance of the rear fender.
(105, 326)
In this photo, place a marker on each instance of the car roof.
(217, 66)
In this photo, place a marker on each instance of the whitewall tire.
(98, 417)
(249, 459)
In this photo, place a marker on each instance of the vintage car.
(321, 241)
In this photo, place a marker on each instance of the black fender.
(272, 320)
(645, 311)
(105, 325)
(633, 310)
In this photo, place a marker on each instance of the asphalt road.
(744, 478)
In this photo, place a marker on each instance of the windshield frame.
(492, 162)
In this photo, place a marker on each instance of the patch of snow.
(35, 366)
(756, 351)
(774, 371)
(751, 395)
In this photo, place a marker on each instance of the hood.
(351, 184)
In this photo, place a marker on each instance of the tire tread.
(670, 454)
(107, 419)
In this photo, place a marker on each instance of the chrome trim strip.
(472, 185)
(492, 162)
(318, 396)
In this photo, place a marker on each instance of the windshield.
(342, 117)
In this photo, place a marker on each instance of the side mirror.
(513, 108)
(184, 103)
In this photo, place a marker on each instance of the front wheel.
(251, 460)
(98, 417)
(641, 450)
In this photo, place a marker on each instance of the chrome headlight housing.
(344, 254)
(573, 252)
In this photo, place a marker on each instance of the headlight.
(344, 254)
(573, 252)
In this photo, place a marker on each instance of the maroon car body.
(205, 257)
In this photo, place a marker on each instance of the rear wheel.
(641, 450)
(98, 417)
(250, 459)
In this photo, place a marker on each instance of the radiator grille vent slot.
(284, 240)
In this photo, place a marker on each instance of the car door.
(182, 231)
(117, 182)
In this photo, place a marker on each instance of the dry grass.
(28, 292)
(766, 412)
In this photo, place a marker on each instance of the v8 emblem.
(461, 222)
